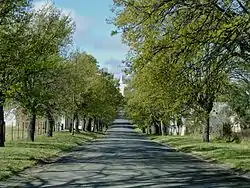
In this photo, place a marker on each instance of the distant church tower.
(122, 85)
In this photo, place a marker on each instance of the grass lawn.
(235, 155)
(15, 133)
(18, 155)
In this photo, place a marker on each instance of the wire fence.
(19, 131)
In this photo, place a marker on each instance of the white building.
(10, 117)
(122, 85)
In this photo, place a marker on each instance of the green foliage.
(41, 74)
(88, 90)
(48, 32)
(183, 54)
(239, 100)
(14, 20)
(19, 155)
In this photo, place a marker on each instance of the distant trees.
(92, 99)
(239, 101)
(183, 55)
(41, 73)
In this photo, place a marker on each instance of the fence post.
(12, 131)
(45, 127)
(18, 136)
(38, 128)
(37, 125)
(23, 131)
(42, 128)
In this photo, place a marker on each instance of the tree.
(197, 44)
(82, 70)
(13, 21)
(48, 33)
(238, 99)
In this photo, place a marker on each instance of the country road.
(125, 158)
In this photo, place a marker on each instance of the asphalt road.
(126, 159)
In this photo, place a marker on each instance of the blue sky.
(92, 32)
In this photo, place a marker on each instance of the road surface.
(126, 159)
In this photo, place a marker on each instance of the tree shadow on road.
(125, 159)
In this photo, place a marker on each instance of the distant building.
(222, 113)
(10, 116)
(122, 84)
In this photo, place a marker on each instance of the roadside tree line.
(43, 74)
(184, 57)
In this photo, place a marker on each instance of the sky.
(92, 32)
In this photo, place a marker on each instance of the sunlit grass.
(233, 154)
(18, 155)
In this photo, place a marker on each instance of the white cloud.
(111, 43)
(114, 66)
(82, 23)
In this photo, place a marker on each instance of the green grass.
(138, 130)
(235, 155)
(13, 133)
(18, 155)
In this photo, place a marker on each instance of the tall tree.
(14, 16)
(48, 34)
(197, 44)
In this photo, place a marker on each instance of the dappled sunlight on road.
(126, 159)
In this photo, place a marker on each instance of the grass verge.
(236, 156)
(19, 155)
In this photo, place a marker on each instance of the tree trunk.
(97, 125)
(86, 124)
(73, 125)
(178, 129)
(51, 124)
(83, 124)
(2, 125)
(167, 130)
(162, 129)
(157, 129)
(77, 122)
(159, 126)
(149, 128)
(206, 128)
(101, 125)
(70, 126)
(143, 130)
(32, 127)
(89, 125)
(178, 125)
